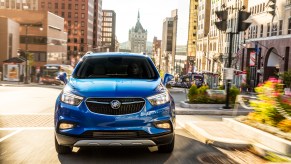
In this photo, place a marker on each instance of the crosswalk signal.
(241, 25)
(222, 16)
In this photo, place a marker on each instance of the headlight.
(159, 99)
(70, 98)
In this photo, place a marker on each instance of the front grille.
(114, 134)
(102, 105)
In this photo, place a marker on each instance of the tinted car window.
(115, 66)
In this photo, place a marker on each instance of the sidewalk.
(231, 134)
(21, 84)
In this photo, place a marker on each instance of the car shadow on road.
(187, 150)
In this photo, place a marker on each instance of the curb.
(277, 144)
(207, 138)
(183, 104)
(210, 112)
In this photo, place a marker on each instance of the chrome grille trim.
(101, 105)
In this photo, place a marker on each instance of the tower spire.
(138, 16)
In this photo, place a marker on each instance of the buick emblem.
(115, 104)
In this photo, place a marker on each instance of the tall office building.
(108, 31)
(192, 33)
(19, 4)
(137, 37)
(97, 27)
(156, 52)
(169, 38)
(79, 23)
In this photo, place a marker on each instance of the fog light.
(163, 125)
(66, 126)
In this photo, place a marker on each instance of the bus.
(49, 73)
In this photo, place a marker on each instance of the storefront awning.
(14, 60)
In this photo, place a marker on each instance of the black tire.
(62, 149)
(167, 148)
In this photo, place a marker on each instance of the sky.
(152, 14)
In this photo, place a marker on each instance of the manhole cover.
(217, 158)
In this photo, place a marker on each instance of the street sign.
(228, 73)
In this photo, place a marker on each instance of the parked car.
(114, 99)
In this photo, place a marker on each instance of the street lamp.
(26, 48)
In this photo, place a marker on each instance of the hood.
(108, 87)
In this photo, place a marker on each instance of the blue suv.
(114, 99)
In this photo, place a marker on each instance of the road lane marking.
(36, 114)
(29, 128)
(10, 135)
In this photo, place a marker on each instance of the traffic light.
(222, 16)
(241, 25)
(272, 8)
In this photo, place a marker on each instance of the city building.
(19, 4)
(180, 60)
(267, 41)
(192, 32)
(137, 37)
(9, 40)
(108, 31)
(79, 23)
(169, 38)
(97, 26)
(41, 34)
(156, 52)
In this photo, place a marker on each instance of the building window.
(262, 30)
(82, 40)
(69, 6)
(76, 6)
(75, 48)
(83, 7)
(63, 14)
(75, 40)
(274, 29)
(82, 24)
(82, 32)
(49, 5)
(76, 23)
(69, 40)
(42, 5)
(63, 6)
(82, 15)
(76, 15)
(56, 5)
(268, 30)
(75, 32)
(289, 26)
(69, 24)
(280, 27)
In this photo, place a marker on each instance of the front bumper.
(151, 140)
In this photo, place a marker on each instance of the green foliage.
(233, 92)
(286, 77)
(199, 96)
(265, 107)
(193, 92)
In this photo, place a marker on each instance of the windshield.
(50, 73)
(112, 67)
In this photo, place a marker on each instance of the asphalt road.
(27, 135)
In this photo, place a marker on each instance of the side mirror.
(167, 78)
(62, 76)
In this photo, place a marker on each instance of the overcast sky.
(152, 14)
